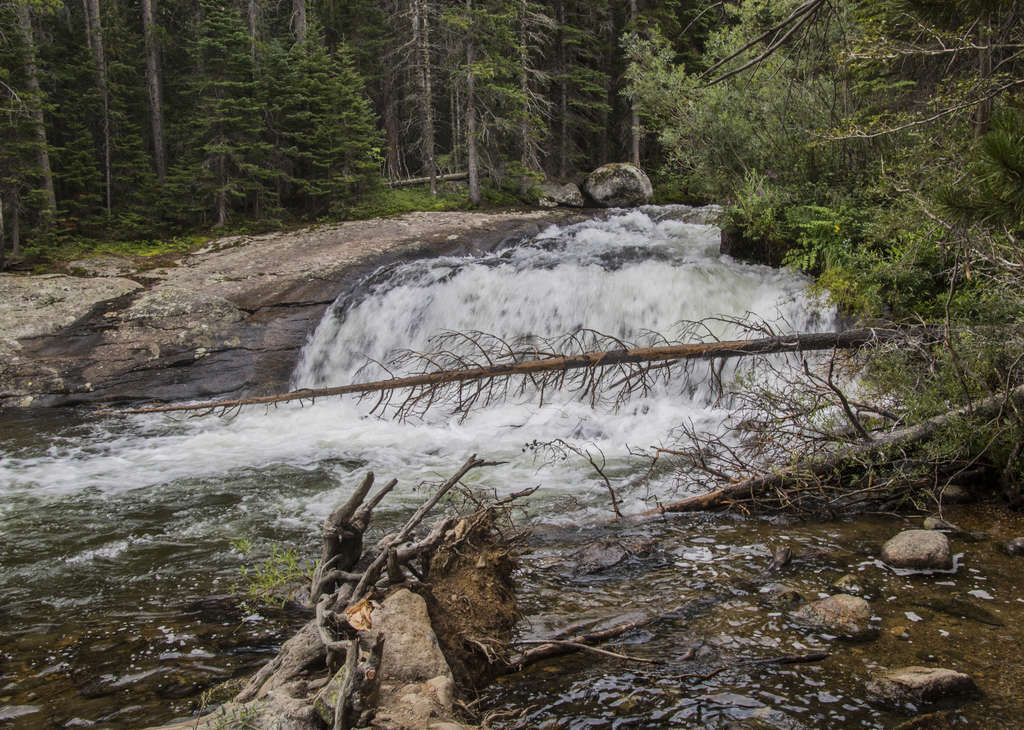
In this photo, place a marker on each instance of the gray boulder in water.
(619, 185)
(564, 194)
(920, 685)
(918, 550)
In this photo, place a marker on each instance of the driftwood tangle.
(329, 644)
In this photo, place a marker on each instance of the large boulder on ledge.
(619, 185)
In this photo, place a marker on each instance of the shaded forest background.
(870, 143)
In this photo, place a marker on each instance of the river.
(124, 539)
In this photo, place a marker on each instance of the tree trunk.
(32, 84)
(94, 36)
(252, 11)
(421, 40)
(394, 159)
(563, 94)
(634, 118)
(153, 90)
(472, 156)
(525, 145)
(904, 437)
(800, 342)
(299, 20)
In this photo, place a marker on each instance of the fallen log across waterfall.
(635, 363)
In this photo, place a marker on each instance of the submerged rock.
(955, 494)
(918, 550)
(619, 185)
(600, 556)
(920, 685)
(848, 584)
(565, 194)
(843, 615)
(1014, 547)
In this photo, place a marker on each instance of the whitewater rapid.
(636, 271)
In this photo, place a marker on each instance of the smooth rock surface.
(564, 194)
(843, 615)
(920, 685)
(1014, 547)
(619, 185)
(411, 649)
(918, 550)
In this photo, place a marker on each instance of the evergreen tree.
(227, 167)
(326, 145)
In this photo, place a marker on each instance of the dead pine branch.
(559, 647)
(821, 467)
(547, 370)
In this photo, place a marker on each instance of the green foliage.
(273, 579)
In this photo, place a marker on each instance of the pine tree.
(326, 145)
(227, 168)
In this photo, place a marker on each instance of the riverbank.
(225, 320)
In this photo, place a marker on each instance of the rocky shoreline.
(226, 320)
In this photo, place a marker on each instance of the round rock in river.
(920, 685)
(841, 614)
(918, 550)
(619, 185)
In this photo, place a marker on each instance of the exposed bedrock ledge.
(226, 321)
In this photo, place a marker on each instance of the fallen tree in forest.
(547, 370)
(804, 472)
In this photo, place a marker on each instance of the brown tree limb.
(559, 647)
(798, 342)
(798, 473)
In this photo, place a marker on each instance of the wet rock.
(411, 650)
(619, 185)
(841, 614)
(934, 522)
(955, 494)
(565, 194)
(963, 609)
(780, 594)
(920, 685)
(1014, 547)
(782, 557)
(848, 584)
(606, 554)
(918, 550)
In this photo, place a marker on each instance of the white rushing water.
(637, 271)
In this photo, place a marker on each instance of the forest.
(142, 122)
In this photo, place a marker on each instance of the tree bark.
(421, 40)
(802, 342)
(32, 84)
(472, 154)
(299, 24)
(525, 145)
(634, 117)
(153, 88)
(94, 37)
(563, 94)
(252, 12)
